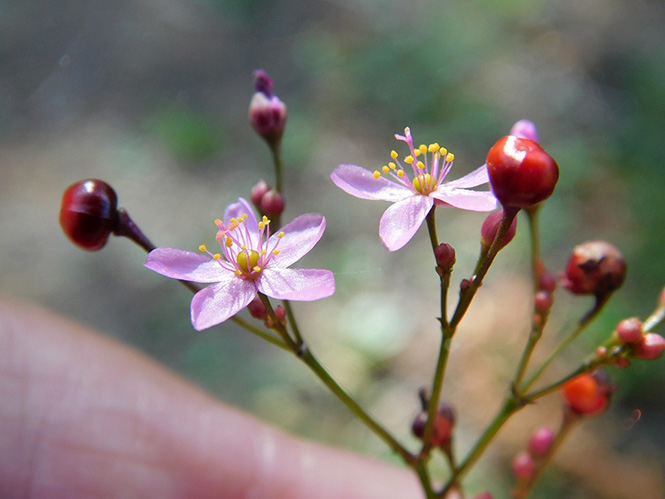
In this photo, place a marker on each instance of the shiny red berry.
(89, 213)
(587, 393)
(521, 173)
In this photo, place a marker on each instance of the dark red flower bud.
(443, 425)
(595, 268)
(445, 256)
(546, 281)
(521, 173)
(524, 467)
(491, 227)
(267, 113)
(629, 330)
(89, 213)
(272, 204)
(257, 309)
(257, 193)
(649, 347)
(543, 301)
(540, 442)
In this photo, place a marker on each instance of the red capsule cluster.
(521, 173)
(89, 213)
(268, 201)
(644, 346)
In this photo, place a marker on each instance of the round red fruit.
(521, 173)
(89, 213)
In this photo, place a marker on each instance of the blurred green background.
(152, 97)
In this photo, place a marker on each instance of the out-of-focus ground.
(152, 97)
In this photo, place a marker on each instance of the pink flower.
(251, 261)
(413, 198)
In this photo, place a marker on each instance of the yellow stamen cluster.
(423, 183)
(264, 222)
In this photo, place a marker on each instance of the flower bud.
(257, 193)
(595, 268)
(89, 213)
(491, 227)
(588, 393)
(443, 425)
(650, 347)
(546, 281)
(257, 309)
(543, 301)
(525, 129)
(540, 442)
(445, 256)
(272, 204)
(524, 466)
(521, 173)
(267, 113)
(629, 330)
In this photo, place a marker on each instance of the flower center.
(244, 252)
(428, 172)
(247, 260)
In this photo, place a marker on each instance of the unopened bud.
(257, 193)
(445, 256)
(588, 393)
(490, 228)
(272, 204)
(540, 442)
(267, 113)
(443, 425)
(257, 309)
(650, 347)
(543, 301)
(525, 129)
(524, 466)
(595, 268)
(629, 330)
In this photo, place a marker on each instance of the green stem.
(532, 216)
(431, 228)
(467, 296)
(425, 482)
(260, 333)
(581, 325)
(292, 321)
(276, 151)
(509, 407)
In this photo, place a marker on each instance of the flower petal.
(186, 265)
(402, 220)
(236, 210)
(361, 183)
(465, 199)
(477, 177)
(297, 284)
(218, 302)
(300, 236)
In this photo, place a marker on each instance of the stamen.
(420, 165)
(280, 235)
(217, 256)
(376, 174)
(408, 160)
(203, 248)
(392, 165)
(393, 154)
(386, 169)
(228, 242)
(400, 173)
(450, 157)
(275, 252)
(433, 147)
(422, 148)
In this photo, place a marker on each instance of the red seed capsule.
(521, 173)
(89, 213)
(595, 268)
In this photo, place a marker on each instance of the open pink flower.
(251, 261)
(414, 197)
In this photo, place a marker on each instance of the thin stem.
(532, 216)
(654, 320)
(467, 296)
(260, 332)
(292, 321)
(425, 482)
(276, 151)
(581, 325)
(431, 228)
(509, 407)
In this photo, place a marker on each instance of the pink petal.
(218, 302)
(477, 177)
(236, 210)
(361, 183)
(296, 284)
(300, 236)
(402, 220)
(465, 199)
(186, 265)
(525, 129)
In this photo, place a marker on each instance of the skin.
(84, 416)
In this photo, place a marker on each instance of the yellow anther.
(417, 152)
(257, 269)
(202, 247)
(420, 165)
(218, 222)
(281, 234)
(228, 242)
(217, 256)
(263, 252)
(376, 174)
(400, 173)
(450, 157)
(386, 169)
(244, 216)
(265, 219)
(443, 151)
(238, 272)
(393, 154)
(422, 148)
(275, 252)
(408, 159)
(392, 165)
(234, 221)
(433, 147)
